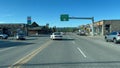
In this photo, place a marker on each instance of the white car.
(113, 36)
(56, 35)
(20, 36)
(3, 36)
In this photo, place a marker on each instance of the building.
(33, 29)
(11, 29)
(106, 26)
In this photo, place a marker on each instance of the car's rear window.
(57, 33)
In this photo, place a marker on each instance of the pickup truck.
(3, 36)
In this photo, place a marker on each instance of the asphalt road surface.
(72, 52)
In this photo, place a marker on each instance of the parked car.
(113, 36)
(20, 36)
(3, 36)
(56, 35)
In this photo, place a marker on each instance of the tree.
(47, 25)
(54, 29)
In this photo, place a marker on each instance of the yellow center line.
(28, 57)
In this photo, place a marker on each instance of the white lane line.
(73, 42)
(81, 52)
(6, 49)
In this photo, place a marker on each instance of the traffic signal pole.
(65, 17)
(92, 26)
(88, 18)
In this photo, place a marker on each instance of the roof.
(34, 24)
(108, 20)
(35, 28)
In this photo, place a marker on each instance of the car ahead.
(20, 36)
(82, 33)
(56, 35)
(113, 36)
(62, 33)
(3, 36)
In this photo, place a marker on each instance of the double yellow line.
(28, 57)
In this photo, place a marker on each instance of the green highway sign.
(64, 17)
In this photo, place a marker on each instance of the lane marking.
(28, 57)
(68, 37)
(73, 42)
(78, 47)
(6, 49)
(81, 52)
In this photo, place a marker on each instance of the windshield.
(59, 34)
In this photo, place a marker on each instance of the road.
(72, 52)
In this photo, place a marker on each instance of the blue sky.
(49, 11)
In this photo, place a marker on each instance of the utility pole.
(92, 26)
(87, 18)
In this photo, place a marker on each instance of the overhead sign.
(64, 17)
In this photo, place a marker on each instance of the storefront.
(104, 27)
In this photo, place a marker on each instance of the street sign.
(64, 17)
(29, 20)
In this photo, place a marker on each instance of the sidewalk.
(96, 37)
